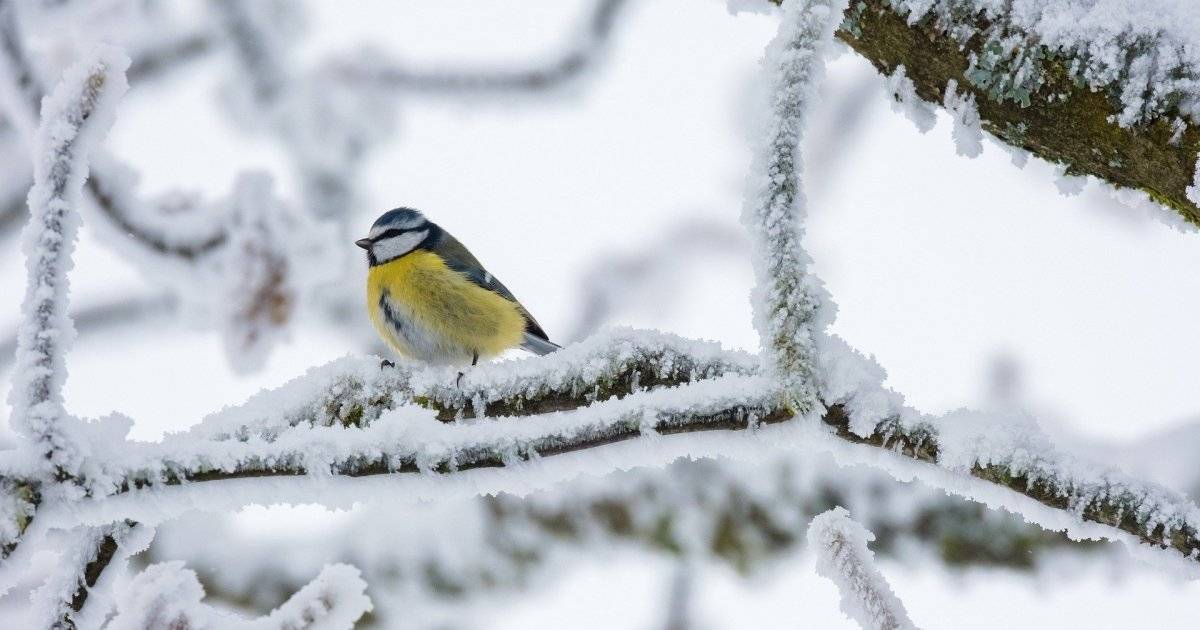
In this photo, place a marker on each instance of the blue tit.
(431, 300)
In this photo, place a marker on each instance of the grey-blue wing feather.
(460, 259)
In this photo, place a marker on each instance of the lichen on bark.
(1057, 117)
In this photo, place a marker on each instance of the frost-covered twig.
(169, 596)
(74, 118)
(22, 94)
(88, 553)
(840, 545)
(790, 306)
(582, 55)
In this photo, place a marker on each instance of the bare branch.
(574, 62)
(154, 62)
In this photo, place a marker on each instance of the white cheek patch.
(397, 246)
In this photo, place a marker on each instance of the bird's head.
(394, 234)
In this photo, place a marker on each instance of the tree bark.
(1064, 120)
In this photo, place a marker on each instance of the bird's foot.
(458, 380)
(386, 364)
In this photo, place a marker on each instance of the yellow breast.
(436, 314)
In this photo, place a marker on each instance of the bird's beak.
(364, 243)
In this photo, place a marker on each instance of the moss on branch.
(1058, 117)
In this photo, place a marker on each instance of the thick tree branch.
(1040, 102)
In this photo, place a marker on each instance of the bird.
(431, 300)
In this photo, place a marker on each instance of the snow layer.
(905, 100)
(357, 391)
(75, 117)
(790, 304)
(840, 545)
(1143, 52)
(968, 136)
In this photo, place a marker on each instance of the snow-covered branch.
(840, 545)
(749, 516)
(169, 596)
(88, 552)
(131, 219)
(790, 306)
(74, 118)
(1107, 88)
(584, 53)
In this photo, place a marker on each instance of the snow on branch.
(312, 427)
(74, 118)
(840, 545)
(356, 392)
(412, 440)
(133, 222)
(18, 503)
(790, 306)
(169, 596)
(1106, 88)
(1010, 453)
(60, 600)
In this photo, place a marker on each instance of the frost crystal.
(840, 545)
(1193, 191)
(906, 101)
(968, 137)
(790, 306)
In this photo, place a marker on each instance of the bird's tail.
(539, 346)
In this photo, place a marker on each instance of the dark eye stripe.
(389, 233)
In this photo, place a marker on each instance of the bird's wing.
(460, 259)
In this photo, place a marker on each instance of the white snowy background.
(973, 282)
